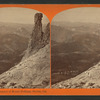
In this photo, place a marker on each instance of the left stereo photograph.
(24, 48)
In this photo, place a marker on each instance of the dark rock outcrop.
(38, 38)
(46, 35)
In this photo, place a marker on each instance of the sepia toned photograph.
(75, 48)
(24, 48)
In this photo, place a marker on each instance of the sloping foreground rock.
(87, 79)
(34, 70)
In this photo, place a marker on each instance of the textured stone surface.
(38, 38)
(33, 72)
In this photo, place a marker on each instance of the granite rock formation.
(38, 38)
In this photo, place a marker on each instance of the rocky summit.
(38, 38)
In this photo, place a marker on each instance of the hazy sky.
(83, 14)
(19, 15)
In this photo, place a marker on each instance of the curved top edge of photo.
(80, 14)
(20, 15)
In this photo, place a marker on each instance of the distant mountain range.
(15, 28)
(62, 31)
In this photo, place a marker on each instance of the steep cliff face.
(38, 38)
(34, 70)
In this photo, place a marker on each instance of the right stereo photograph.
(75, 48)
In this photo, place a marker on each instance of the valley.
(75, 47)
